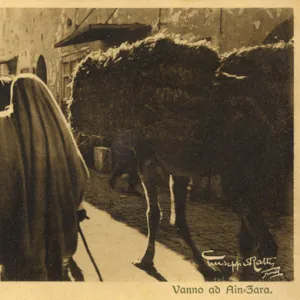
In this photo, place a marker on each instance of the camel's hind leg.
(255, 240)
(150, 177)
(178, 189)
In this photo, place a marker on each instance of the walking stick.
(89, 253)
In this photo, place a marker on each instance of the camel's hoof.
(234, 278)
(146, 266)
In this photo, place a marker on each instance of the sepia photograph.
(147, 145)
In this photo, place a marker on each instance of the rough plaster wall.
(2, 33)
(29, 34)
(248, 27)
(193, 24)
(143, 16)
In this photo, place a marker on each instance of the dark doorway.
(41, 70)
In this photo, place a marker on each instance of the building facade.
(29, 35)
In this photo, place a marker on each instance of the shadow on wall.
(282, 32)
(132, 36)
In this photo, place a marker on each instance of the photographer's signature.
(265, 266)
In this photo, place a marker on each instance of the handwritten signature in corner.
(254, 262)
(272, 273)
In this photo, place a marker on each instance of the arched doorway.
(41, 70)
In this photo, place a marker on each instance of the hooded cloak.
(42, 181)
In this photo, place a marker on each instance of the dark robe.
(42, 181)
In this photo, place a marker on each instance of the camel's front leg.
(150, 177)
(178, 190)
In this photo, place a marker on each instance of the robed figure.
(42, 182)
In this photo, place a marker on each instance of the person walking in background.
(42, 183)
